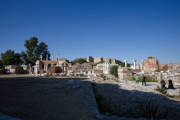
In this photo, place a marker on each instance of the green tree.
(123, 64)
(79, 60)
(11, 58)
(114, 71)
(34, 51)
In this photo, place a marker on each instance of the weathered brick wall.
(163, 67)
(150, 65)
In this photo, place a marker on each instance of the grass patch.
(148, 79)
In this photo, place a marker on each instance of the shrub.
(148, 79)
(123, 64)
(81, 61)
(114, 71)
(55, 70)
(20, 70)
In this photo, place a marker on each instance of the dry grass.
(150, 109)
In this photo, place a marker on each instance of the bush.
(79, 60)
(55, 70)
(123, 64)
(20, 70)
(114, 71)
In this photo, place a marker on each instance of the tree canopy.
(79, 60)
(34, 51)
(123, 64)
(114, 71)
(11, 58)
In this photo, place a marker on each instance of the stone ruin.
(150, 64)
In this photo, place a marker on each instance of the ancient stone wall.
(150, 64)
(163, 67)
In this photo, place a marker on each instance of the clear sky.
(122, 29)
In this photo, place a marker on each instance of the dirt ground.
(30, 98)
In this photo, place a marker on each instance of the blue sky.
(121, 29)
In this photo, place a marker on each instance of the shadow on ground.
(45, 98)
(113, 100)
(70, 99)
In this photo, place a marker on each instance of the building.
(84, 68)
(114, 61)
(175, 67)
(97, 72)
(98, 60)
(124, 73)
(163, 68)
(47, 66)
(107, 60)
(150, 64)
(111, 61)
(90, 59)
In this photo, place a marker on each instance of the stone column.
(46, 56)
(134, 64)
(44, 67)
(52, 57)
(41, 57)
(36, 68)
(141, 66)
(125, 61)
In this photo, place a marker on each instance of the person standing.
(137, 78)
(144, 80)
(163, 84)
